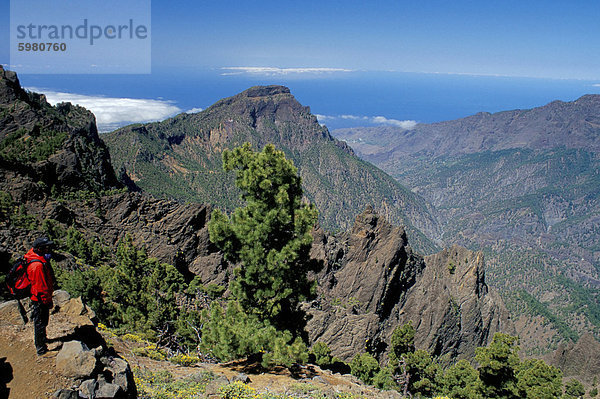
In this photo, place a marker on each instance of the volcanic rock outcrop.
(375, 282)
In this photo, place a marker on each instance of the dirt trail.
(24, 375)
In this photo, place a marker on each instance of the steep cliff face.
(580, 359)
(375, 282)
(58, 146)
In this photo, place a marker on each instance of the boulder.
(60, 297)
(66, 394)
(107, 390)
(75, 308)
(87, 389)
(119, 370)
(75, 360)
(10, 314)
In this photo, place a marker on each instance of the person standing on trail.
(41, 275)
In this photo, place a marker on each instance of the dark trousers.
(40, 316)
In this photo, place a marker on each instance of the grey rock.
(75, 360)
(60, 297)
(75, 308)
(87, 389)
(98, 352)
(66, 394)
(241, 377)
(120, 371)
(10, 314)
(107, 390)
(375, 282)
(580, 359)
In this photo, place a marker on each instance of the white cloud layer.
(372, 120)
(194, 110)
(273, 71)
(382, 120)
(114, 112)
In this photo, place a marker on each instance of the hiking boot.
(42, 351)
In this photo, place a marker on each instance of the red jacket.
(41, 277)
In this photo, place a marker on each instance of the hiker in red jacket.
(41, 275)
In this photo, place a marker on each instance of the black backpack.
(17, 280)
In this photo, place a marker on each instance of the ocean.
(341, 99)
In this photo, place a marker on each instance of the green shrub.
(162, 385)
(536, 379)
(237, 390)
(424, 373)
(364, 366)
(384, 379)
(461, 381)
(151, 351)
(322, 354)
(184, 360)
(402, 342)
(574, 389)
(285, 352)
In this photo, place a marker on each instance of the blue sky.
(204, 50)
(548, 39)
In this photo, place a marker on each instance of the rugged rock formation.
(42, 143)
(83, 372)
(523, 187)
(375, 282)
(580, 359)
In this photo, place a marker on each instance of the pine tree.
(403, 341)
(461, 381)
(497, 367)
(538, 380)
(269, 238)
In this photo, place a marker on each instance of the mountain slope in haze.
(573, 124)
(524, 187)
(181, 158)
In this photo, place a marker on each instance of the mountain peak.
(265, 91)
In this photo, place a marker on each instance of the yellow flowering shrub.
(184, 360)
(152, 352)
(237, 390)
(132, 337)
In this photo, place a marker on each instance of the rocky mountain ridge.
(374, 281)
(181, 158)
(51, 144)
(573, 124)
